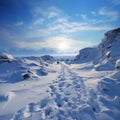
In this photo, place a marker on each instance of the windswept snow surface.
(71, 92)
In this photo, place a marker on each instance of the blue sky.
(56, 27)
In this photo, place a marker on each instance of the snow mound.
(5, 57)
(25, 68)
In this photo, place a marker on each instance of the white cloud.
(84, 17)
(38, 21)
(93, 13)
(54, 21)
(55, 42)
(19, 23)
(109, 15)
(54, 12)
(64, 26)
(48, 13)
(116, 2)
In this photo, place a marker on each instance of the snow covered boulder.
(5, 57)
(96, 67)
(117, 65)
(3, 98)
(48, 58)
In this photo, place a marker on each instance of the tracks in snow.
(68, 99)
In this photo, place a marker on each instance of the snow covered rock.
(105, 55)
(109, 49)
(110, 44)
(86, 55)
(25, 68)
(117, 65)
(5, 57)
(26, 76)
(48, 58)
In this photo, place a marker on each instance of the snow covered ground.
(37, 88)
(71, 92)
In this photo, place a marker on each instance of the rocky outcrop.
(105, 55)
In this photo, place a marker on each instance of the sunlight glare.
(63, 46)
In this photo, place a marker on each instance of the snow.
(117, 65)
(71, 92)
(86, 55)
(105, 55)
(86, 89)
(5, 57)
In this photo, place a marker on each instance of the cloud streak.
(116, 2)
(54, 43)
(57, 21)
(109, 15)
(19, 24)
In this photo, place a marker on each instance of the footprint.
(67, 93)
(65, 99)
(86, 113)
(59, 100)
(48, 111)
(94, 105)
(61, 84)
(77, 86)
(53, 89)
(68, 85)
(44, 102)
(72, 105)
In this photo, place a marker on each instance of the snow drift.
(19, 69)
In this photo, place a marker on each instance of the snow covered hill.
(37, 88)
(105, 55)
(109, 50)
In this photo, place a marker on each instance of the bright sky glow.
(36, 27)
(63, 46)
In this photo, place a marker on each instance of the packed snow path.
(68, 99)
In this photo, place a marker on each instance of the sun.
(63, 46)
